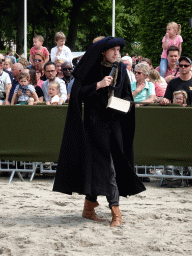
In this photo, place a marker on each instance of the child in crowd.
(61, 51)
(37, 47)
(33, 81)
(24, 86)
(5, 85)
(180, 97)
(172, 37)
(58, 63)
(7, 64)
(53, 92)
(159, 83)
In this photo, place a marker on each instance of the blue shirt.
(24, 96)
(14, 84)
(148, 90)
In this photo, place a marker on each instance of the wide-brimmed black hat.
(93, 55)
(114, 41)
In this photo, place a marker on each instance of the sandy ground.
(36, 221)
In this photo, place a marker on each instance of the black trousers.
(113, 198)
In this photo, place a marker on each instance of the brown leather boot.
(89, 212)
(116, 216)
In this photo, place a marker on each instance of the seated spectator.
(142, 90)
(39, 63)
(24, 85)
(38, 77)
(61, 51)
(5, 86)
(172, 58)
(7, 64)
(58, 63)
(140, 58)
(159, 83)
(147, 61)
(53, 92)
(67, 70)
(9, 72)
(33, 81)
(50, 72)
(98, 38)
(10, 55)
(127, 60)
(180, 97)
(184, 82)
(23, 61)
(16, 69)
(38, 47)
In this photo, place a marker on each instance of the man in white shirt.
(5, 85)
(127, 60)
(50, 72)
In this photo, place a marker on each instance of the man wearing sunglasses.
(184, 82)
(67, 70)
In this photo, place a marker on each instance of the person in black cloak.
(96, 155)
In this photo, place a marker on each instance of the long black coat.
(84, 161)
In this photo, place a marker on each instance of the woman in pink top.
(159, 83)
(172, 37)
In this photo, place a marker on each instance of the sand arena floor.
(36, 221)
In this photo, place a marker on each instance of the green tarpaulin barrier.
(163, 135)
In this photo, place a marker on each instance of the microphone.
(115, 66)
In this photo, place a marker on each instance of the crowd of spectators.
(149, 87)
(37, 80)
(55, 68)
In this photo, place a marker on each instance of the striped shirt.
(170, 72)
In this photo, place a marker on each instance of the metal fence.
(30, 168)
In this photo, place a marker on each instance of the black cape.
(88, 143)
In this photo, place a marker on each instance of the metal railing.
(158, 171)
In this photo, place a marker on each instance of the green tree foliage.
(7, 23)
(153, 17)
(96, 20)
(80, 20)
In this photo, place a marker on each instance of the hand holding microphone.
(107, 80)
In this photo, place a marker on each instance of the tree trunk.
(72, 34)
(20, 27)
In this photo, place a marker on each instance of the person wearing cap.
(96, 156)
(184, 82)
(127, 60)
